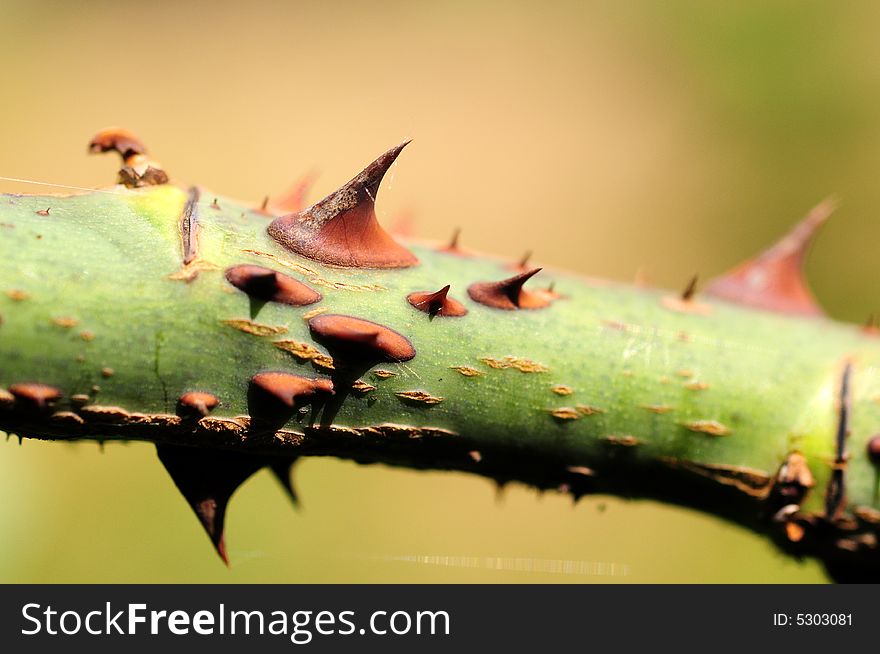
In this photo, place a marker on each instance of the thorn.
(509, 293)
(271, 286)
(295, 198)
(215, 205)
(196, 404)
(522, 264)
(352, 338)
(35, 396)
(274, 390)
(437, 303)
(453, 247)
(264, 204)
(774, 280)
(43, 212)
(207, 479)
(688, 293)
(283, 472)
(342, 229)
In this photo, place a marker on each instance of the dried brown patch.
(561, 389)
(87, 335)
(360, 386)
(657, 408)
(624, 440)
(564, 413)
(17, 295)
(467, 371)
(587, 410)
(711, 427)
(419, 397)
(383, 374)
(255, 328)
(65, 321)
(518, 363)
(696, 386)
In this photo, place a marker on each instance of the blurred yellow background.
(675, 136)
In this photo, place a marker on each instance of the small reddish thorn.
(437, 303)
(509, 293)
(271, 286)
(355, 339)
(264, 204)
(196, 404)
(291, 391)
(342, 229)
(43, 212)
(137, 169)
(774, 280)
(523, 263)
(38, 396)
(453, 247)
(874, 450)
(295, 197)
(215, 205)
(688, 293)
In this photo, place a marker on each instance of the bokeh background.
(671, 136)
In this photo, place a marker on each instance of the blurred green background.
(673, 136)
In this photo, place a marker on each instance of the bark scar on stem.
(835, 492)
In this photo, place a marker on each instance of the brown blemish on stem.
(188, 272)
(314, 277)
(835, 491)
(752, 482)
(774, 280)
(384, 374)
(517, 363)
(17, 295)
(583, 471)
(710, 427)
(509, 294)
(656, 408)
(65, 321)
(306, 352)
(437, 303)
(361, 386)
(355, 339)
(106, 373)
(587, 410)
(196, 404)
(189, 227)
(467, 371)
(342, 229)
(624, 440)
(255, 328)
(87, 335)
(270, 286)
(43, 212)
(685, 373)
(37, 396)
(564, 413)
(419, 397)
(696, 386)
(561, 389)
